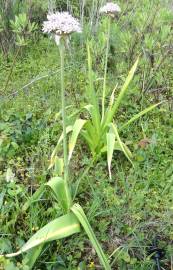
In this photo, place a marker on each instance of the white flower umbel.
(61, 24)
(110, 9)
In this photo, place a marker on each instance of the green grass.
(133, 208)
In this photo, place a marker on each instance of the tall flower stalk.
(61, 25)
(110, 9)
(106, 67)
(65, 151)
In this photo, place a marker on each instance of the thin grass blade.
(34, 198)
(109, 116)
(137, 116)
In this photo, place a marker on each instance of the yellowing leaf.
(57, 185)
(54, 153)
(78, 125)
(110, 150)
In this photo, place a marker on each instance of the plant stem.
(65, 152)
(106, 66)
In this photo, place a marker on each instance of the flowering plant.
(62, 25)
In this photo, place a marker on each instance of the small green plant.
(23, 28)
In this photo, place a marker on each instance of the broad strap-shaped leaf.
(117, 147)
(124, 149)
(110, 114)
(110, 149)
(91, 135)
(32, 256)
(59, 166)
(140, 114)
(78, 125)
(57, 185)
(89, 140)
(54, 153)
(57, 229)
(79, 213)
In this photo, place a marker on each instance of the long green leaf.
(78, 125)
(90, 128)
(79, 213)
(33, 255)
(59, 166)
(57, 186)
(110, 149)
(110, 114)
(124, 149)
(52, 159)
(57, 229)
(89, 140)
(117, 147)
(138, 115)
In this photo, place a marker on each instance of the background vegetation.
(133, 208)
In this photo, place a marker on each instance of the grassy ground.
(135, 207)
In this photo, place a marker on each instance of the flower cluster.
(61, 23)
(110, 9)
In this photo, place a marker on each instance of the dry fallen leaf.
(144, 143)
